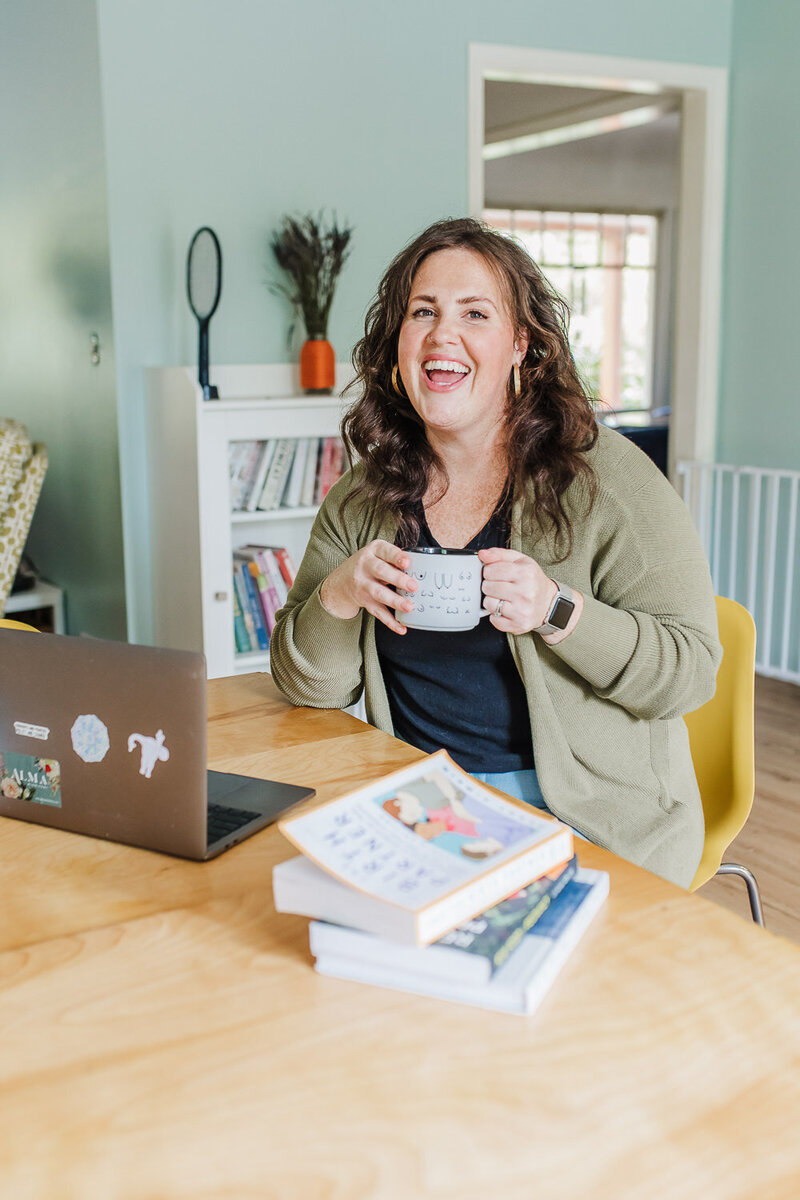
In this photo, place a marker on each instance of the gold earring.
(394, 382)
(516, 380)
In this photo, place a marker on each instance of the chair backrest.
(22, 472)
(721, 736)
(8, 623)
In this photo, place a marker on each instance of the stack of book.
(262, 576)
(429, 882)
(283, 472)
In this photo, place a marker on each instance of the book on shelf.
(275, 482)
(254, 603)
(266, 557)
(471, 952)
(242, 594)
(330, 467)
(294, 485)
(243, 459)
(310, 473)
(285, 564)
(270, 601)
(414, 854)
(255, 488)
(518, 985)
(241, 637)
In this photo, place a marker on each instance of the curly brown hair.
(549, 427)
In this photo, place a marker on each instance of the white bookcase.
(192, 530)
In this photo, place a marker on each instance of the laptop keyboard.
(222, 821)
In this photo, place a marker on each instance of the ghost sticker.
(153, 751)
(89, 738)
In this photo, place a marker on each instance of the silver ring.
(498, 612)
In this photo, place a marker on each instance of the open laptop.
(109, 739)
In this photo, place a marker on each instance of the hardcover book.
(420, 851)
(519, 985)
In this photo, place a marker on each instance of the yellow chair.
(7, 623)
(721, 737)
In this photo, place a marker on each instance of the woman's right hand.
(365, 580)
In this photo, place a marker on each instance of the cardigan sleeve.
(647, 638)
(316, 658)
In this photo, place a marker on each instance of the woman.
(473, 430)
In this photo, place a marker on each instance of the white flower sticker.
(89, 738)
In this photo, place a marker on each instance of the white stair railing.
(747, 518)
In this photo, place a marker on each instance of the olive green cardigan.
(606, 705)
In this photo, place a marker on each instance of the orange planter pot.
(317, 366)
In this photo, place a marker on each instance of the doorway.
(530, 106)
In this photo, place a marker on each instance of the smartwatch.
(560, 612)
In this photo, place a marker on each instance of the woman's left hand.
(526, 592)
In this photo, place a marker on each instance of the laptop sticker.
(25, 729)
(153, 751)
(89, 738)
(25, 777)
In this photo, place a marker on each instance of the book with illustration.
(471, 952)
(518, 986)
(418, 852)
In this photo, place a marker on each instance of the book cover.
(294, 486)
(254, 490)
(268, 566)
(241, 592)
(278, 473)
(271, 569)
(269, 597)
(242, 462)
(240, 635)
(310, 474)
(522, 982)
(284, 561)
(325, 475)
(425, 848)
(472, 951)
(254, 605)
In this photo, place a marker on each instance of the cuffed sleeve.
(647, 637)
(316, 658)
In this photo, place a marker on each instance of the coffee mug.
(448, 597)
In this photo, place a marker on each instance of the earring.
(516, 380)
(395, 383)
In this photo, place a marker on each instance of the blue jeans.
(524, 785)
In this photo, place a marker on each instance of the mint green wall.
(234, 113)
(55, 290)
(759, 415)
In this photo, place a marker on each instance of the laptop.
(109, 739)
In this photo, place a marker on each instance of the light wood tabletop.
(165, 1035)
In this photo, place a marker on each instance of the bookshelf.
(192, 530)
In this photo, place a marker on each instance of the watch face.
(561, 612)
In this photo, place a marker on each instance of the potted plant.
(312, 256)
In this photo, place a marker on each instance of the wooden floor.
(769, 844)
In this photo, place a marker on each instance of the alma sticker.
(89, 738)
(25, 777)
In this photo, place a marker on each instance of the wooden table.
(165, 1037)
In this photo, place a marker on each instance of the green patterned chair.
(22, 471)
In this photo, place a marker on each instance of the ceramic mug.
(448, 596)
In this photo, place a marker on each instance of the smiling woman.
(473, 433)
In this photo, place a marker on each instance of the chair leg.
(729, 868)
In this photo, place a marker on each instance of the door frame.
(701, 214)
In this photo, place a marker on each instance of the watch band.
(560, 611)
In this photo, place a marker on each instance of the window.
(604, 265)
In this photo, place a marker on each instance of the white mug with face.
(448, 598)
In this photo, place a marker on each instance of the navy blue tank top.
(461, 691)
